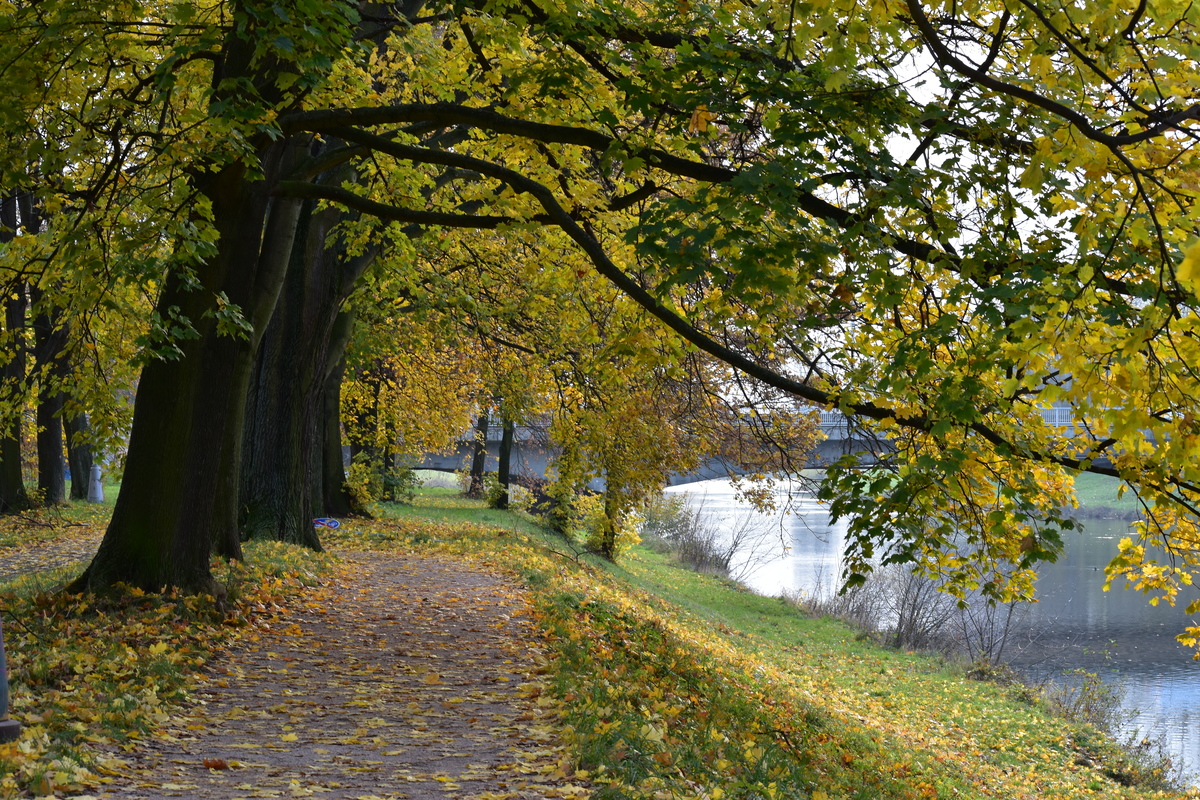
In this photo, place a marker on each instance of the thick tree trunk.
(283, 452)
(504, 467)
(50, 342)
(282, 403)
(479, 455)
(13, 496)
(79, 455)
(179, 494)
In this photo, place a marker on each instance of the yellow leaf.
(700, 119)
(1187, 271)
(288, 737)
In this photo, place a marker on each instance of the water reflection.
(1074, 625)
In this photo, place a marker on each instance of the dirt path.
(407, 678)
(76, 545)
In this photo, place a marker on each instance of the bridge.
(533, 451)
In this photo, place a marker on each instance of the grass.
(674, 684)
(448, 506)
(668, 683)
(1097, 495)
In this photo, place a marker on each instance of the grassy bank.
(674, 684)
(669, 684)
(1098, 498)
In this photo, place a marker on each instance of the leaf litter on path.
(407, 677)
(31, 554)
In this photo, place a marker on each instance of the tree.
(13, 496)
(79, 453)
(938, 220)
(944, 296)
(283, 449)
(228, 256)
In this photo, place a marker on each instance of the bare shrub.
(984, 629)
(672, 524)
(859, 606)
(910, 612)
(919, 615)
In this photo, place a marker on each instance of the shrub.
(363, 483)
(519, 498)
(671, 524)
(602, 533)
(369, 481)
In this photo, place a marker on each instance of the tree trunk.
(332, 493)
(50, 343)
(13, 496)
(479, 455)
(79, 454)
(179, 494)
(503, 468)
(52, 469)
(274, 503)
(283, 454)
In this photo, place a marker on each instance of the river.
(1074, 625)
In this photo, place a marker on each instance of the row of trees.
(937, 218)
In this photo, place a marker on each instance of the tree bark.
(179, 494)
(334, 498)
(79, 454)
(503, 468)
(283, 453)
(52, 468)
(13, 496)
(479, 455)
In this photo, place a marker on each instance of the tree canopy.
(939, 218)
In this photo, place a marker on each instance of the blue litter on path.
(326, 522)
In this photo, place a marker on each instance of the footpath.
(401, 677)
(409, 677)
(76, 548)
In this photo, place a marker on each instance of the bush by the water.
(671, 524)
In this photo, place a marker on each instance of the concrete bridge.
(533, 452)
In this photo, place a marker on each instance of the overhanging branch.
(312, 191)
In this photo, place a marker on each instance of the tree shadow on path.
(408, 677)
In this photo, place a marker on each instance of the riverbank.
(677, 684)
(1099, 498)
(664, 683)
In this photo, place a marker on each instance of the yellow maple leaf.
(700, 119)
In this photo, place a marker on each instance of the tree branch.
(312, 191)
(1082, 123)
(332, 120)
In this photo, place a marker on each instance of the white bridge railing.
(1058, 416)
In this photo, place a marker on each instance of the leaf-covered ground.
(405, 677)
(27, 548)
(407, 665)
